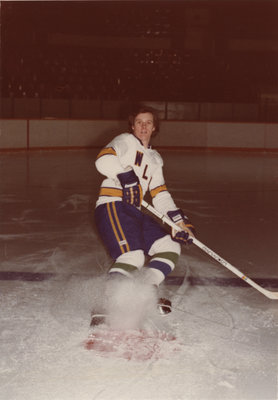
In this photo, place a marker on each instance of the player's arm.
(164, 203)
(108, 163)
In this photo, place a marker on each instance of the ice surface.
(226, 346)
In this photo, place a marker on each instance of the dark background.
(192, 51)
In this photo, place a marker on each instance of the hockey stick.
(226, 264)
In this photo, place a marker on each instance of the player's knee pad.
(165, 244)
(128, 262)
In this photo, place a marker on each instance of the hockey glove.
(183, 222)
(132, 190)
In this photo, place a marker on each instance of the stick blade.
(271, 295)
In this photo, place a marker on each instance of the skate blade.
(97, 319)
(164, 306)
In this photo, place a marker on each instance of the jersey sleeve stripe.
(157, 190)
(106, 151)
(111, 192)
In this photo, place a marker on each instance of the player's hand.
(188, 231)
(132, 190)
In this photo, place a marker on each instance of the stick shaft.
(226, 264)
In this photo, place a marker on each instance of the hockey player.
(131, 169)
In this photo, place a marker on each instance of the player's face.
(143, 127)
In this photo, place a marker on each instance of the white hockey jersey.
(124, 153)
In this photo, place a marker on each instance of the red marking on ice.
(135, 345)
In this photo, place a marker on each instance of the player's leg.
(120, 228)
(164, 256)
(163, 250)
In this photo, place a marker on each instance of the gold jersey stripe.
(158, 189)
(112, 192)
(106, 151)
